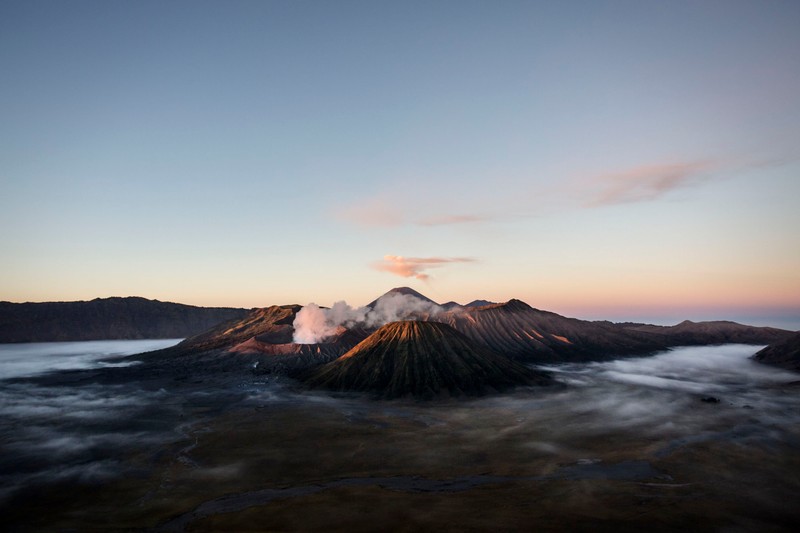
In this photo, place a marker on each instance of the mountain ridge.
(513, 329)
(131, 317)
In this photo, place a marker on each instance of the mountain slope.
(271, 324)
(262, 341)
(421, 359)
(785, 353)
(522, 332)
(517, 330)
(107, 318)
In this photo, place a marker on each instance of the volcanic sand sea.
(626, 444)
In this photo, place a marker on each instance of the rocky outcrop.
(107, 318)
(785, 353)
(423, 360)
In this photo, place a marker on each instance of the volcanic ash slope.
(423, 360)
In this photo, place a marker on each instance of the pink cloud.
(393, 209)
(444, 220)
(374, 212)
(645, 183)
(415, 267)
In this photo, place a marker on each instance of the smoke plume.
(314, 324)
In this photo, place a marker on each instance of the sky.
(600, 159)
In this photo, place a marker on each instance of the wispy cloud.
(373, 212)
(635, 184)
(446, 220)
(415, 267)
(644, 183)
(381, 212)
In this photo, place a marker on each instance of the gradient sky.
(599, 159)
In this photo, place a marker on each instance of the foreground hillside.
(107, 318)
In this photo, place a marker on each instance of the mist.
(35, 358)
(314, 324)
(661, 394)
(157, 438)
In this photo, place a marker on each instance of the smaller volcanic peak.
(405, 291)
(511, 306)
(269, 324)
(261, 341)
(479, 303)
(424, 360)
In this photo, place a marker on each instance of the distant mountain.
(785, 353)
(107, 318)
(407, 291)
(713, 332)
(424, 360)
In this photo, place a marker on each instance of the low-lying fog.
(663, 394)
(40, 357)
(55, 433)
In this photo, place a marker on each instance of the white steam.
(313, 324)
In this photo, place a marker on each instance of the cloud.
(644, 183)
(415, 267)
(382, 212)
(445, 220)
(648, 182)
(373, 212)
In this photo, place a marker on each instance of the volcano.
(401, 291)
(263, 340)
(423, 360)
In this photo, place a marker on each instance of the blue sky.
(617, 159)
